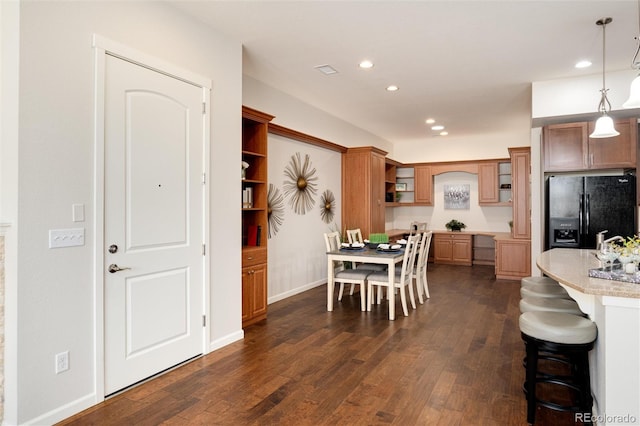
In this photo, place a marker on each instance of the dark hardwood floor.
(456, 360)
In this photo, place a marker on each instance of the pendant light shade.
(604, 128)
(634, 92)
(604, 125)
(634, 96)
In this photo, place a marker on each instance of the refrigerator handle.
(587, 208)
(580, 219)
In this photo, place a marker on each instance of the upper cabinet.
(568, 147)
(423, 185)
(494, 183)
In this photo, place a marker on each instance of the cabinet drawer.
(254, 256)
(453, 236)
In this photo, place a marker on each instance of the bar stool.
(544, 290)
(565, 335)
(537, 280)
(550, 304)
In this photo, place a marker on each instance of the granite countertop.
(571, 267)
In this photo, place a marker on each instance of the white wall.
(564, 98)
(297, 115)
(297, 253)
(55, 300)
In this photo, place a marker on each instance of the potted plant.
(455, 225)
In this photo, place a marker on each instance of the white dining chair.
(355, 236)
(419, 272)
(347, 276)
(402, 278)
(415, 226)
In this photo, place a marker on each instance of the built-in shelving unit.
(504, 182)
(405, 185)
(254, 215)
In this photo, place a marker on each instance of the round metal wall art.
(300, 186)
(275, 210)
(327, 206)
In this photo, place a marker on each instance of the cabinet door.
(619, 151)
(247, 280)
(521, 191)
(513, 259)
(565, 147)
(377, 193)
(443, 249)
(259, 307)
(461, 251)
(488, 183)
(423, 185)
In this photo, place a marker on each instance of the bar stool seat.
(568, 336)
(544, 290)
(537, 280)
(550, 304)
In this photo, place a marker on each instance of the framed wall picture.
(456, 197)
(401, 186)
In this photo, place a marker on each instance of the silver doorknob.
(113, 268)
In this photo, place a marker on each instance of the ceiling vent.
(326, 69)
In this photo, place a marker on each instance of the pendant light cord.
(634, 62)
(604, 106)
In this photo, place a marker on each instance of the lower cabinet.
(452, 248)
(513, 259)
(254, 286)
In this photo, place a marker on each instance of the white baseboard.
(226, 340)
(295, 291)
(65, 411)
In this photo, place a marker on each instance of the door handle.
(113, 268)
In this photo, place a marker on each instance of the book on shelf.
(252, 235)
(247, 198)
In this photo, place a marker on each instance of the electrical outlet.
(62, 362)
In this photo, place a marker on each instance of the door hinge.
(204, 107)
(204, 178)
(204, 320)
(204, 249)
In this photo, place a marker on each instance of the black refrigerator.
(578, 207)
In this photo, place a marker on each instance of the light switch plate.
(66, 237)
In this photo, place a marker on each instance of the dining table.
(364, 255)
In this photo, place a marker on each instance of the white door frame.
(103, 47)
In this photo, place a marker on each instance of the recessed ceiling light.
(438, 127)
(429, 121)
(392, 88)
(366, 64)
(583, 64)
(444, 133)
(326, 69)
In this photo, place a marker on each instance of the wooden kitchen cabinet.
(254, 285)
(423, 191)
(488, 183)
(363, 190)
(453, 248)
(568, 147)
(521, 191)
(513, 259)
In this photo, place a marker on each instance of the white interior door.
(153, 222)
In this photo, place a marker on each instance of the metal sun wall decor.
(299, 185)
(456, 197)
(275, 209)
(327, 206)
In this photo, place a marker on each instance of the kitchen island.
(615, 308)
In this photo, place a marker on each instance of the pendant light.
(634, 95)
(604, 125)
